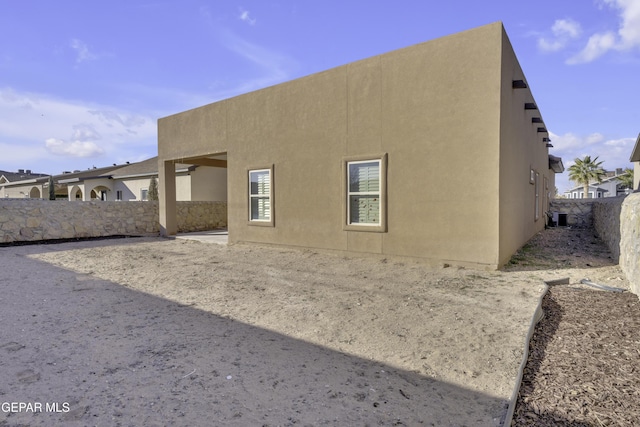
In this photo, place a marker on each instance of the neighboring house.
(437, 151)
(29, 191)
(609, 187)
(128, 182)
(635, 159)
(92, 184)
(23, 184)
(594, 192)
(193, 183)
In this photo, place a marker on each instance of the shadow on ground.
(107, 355)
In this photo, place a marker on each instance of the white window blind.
(260, 195)
(364, 192)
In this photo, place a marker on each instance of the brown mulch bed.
(584, 357)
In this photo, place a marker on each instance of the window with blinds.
(364, 192)
(260, 195)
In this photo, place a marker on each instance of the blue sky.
(83, 83)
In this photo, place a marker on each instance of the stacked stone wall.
(630, 240)
(200, 216)
(606, 221)
(36, 219)
(579, 211)
(616, 220)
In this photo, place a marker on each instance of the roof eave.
(635, 154)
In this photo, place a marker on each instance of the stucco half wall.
(435, 112)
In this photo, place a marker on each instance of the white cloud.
(594, 138)
(82, 51)
(276, 67)
(626, 38)
(36, 125)
(597, 45)
(563, 30)
(85, 132)
(73, 148)
(113, 118)
(244, 16)
(629, 30)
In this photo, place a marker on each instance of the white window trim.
(536, 185)
(347, 225)
(261, 222)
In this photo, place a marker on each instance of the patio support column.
(167, 198)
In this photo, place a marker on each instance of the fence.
(630, 240)
(35, 219)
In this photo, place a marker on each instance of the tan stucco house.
(437, 151)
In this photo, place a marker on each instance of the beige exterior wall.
(183, 187)
(25, 191)
(521, 150)
(433, 109)
(209, 184)
(131, 188)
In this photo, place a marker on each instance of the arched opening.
(100, 193)
(75, 193)
(35, 193)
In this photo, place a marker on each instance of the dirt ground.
(149, 331)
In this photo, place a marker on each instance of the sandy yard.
(149, 331)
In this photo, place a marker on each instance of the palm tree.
(585, 171)
(626, 178)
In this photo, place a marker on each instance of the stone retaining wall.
(579, 211)
(200, 216)
(616, 220)
(606, 221)
(630, 240)
(34, 219)
(601, 214)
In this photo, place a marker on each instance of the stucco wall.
(630, 240)
(22, 191)
(522, 150)
(30, 220)
(427, 108)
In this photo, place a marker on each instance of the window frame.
(380, 227)
(536, 203)
(261, 222)
(144, 194)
